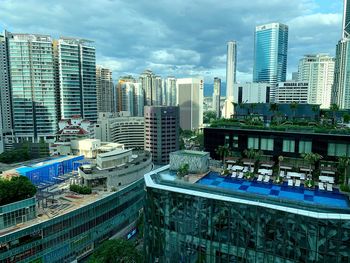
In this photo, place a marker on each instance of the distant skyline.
(181, 38)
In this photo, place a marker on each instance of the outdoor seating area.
(292, 176)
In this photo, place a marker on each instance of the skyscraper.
(231, 67)
(77, 78)
(346, 20)
(341, 86)
(152, 85)
(270, 55)
(170, 91)
(104, 89)
(318, 71)
(5, 90)
(216, 96)
(31, 67)
(190, 100)
(228, 109)
(161, 132)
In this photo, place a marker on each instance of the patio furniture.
(321, 186)
(329, 187)
(282, 174)
(297, 183)
(265, 171)
(290, 182)
(240, 175)
(326, 179)
(245, 169)
(234, 174)
(229, 167)
(266, 179)
(267, 165)
(237, 167)
(260, 178)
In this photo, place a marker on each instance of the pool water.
(331, 199)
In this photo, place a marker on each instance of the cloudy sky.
(178, 37)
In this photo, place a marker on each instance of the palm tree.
(222, 151)
(293, 106)
(334, 108)
(280, 159)
(252, 155)
(344, 162)
(311, 158)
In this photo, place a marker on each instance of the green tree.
(273, 108)
(15, 189)
(311, 158)
(222, 151)
(293, 106)
(116, 251)
(346, 118)
(209, 116)
(344, 163)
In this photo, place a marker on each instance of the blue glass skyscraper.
(270, 57)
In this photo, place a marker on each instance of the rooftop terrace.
(282, 197)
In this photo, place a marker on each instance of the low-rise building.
(292, 91)
(111, 127)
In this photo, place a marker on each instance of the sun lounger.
(260, 178)
(240, 175)
(297, 183)
(321, 186)
(329, 187)
(233, 175)
(282, 174)
(266, 179)
(229, 167)
(290, 182)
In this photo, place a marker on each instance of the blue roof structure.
(47, 171)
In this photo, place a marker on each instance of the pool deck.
(283, 191)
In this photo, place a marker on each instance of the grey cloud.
(176, 37)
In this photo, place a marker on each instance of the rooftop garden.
(15, 189)
(281, 123)
(328, 122)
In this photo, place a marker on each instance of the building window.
(253, 143)
(227, 140)
(235, 142)
(305, 147)
(338, 149)
(266, 144)
(289, 146)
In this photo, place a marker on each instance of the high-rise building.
(252, 92)
(104, 89)
(231, 65)
(130, 97)
(161, 132)
(341, 86)
(270, 55)
(77, 78)
(216, 97)
(6, 123)
(170, 91)
(318, 71)
(190, 100)
(31, 67)
(231, 62)
(152, 85)
(291, 91)
(346, 20)
(5, 91)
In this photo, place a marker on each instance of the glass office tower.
(270, 57)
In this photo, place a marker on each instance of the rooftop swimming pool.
(283, 191)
